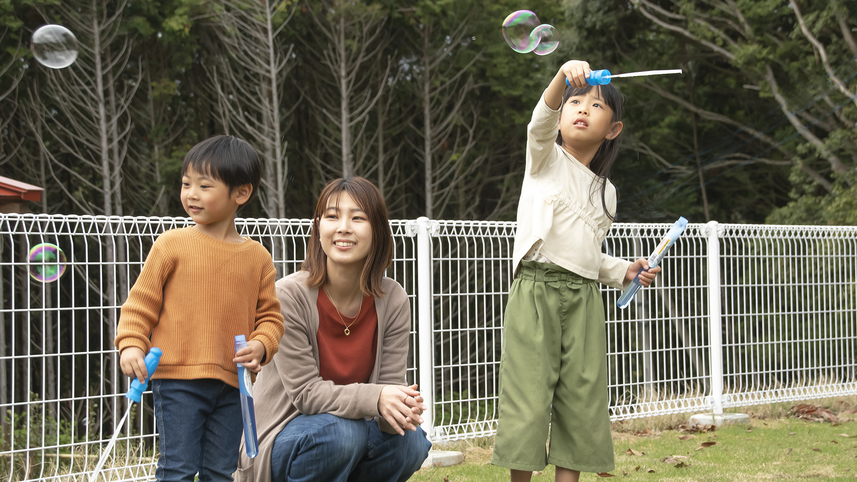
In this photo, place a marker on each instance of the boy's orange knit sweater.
(194, 294)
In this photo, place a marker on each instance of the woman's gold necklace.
(347, 327)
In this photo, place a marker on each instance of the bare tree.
(85, 127)
(11, 73)
(161, 127)
(85, 106)
(248, 79)
(353, 37)
(447, 123)
(391, 121)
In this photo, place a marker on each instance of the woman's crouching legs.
(318, 447)
(392, 457)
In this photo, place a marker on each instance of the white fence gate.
(741, 315)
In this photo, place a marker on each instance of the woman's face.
(344, 231)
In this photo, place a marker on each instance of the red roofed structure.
(13, 194)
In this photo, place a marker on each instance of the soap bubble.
(517, 29)
(548, 39)
(525, 33)
(46, 262)
(54, 46)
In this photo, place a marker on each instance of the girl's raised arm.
(576, 71)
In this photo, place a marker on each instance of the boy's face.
(208, 200)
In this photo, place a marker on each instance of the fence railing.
(741, 315)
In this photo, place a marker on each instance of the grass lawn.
(774, 445)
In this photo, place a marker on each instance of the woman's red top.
(345, 359)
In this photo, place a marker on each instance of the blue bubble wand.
(603, 77)
(248, 414)
(135, 394)
(654, 260)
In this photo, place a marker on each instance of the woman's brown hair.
(369, 198)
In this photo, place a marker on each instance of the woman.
(332, 406)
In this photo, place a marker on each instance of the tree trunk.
(106, 174)
(427, 130)
(699, 168)
(344, 111)
(4, 393)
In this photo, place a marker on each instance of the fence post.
(425, 324)
(714, 321)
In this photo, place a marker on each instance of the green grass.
(773, 446)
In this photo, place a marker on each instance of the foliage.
(714, 143)
(837, 208)
(30, 434)
(754, 102)
(34, 429)
(459, 409)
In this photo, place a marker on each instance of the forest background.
(425, 98)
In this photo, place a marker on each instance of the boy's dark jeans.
(199, 422)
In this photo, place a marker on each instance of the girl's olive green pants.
(553, 374)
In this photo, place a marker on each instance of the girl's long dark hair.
(609, 149)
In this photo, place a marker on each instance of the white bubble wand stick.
(135, 394)
(603, 77)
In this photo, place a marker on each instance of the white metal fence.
(741, 315)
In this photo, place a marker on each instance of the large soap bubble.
(517, 29)
(525, 33)
(548, 39)
(54, 46)
(46, 262)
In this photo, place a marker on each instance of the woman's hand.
(646, 277)
(401, 407)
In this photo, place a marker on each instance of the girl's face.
(344, 231)
(587, 120)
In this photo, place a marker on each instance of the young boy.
(201, 286)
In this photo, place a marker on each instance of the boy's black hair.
(228, 159)
(609, 149)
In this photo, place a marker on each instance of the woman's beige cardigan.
(290, 384)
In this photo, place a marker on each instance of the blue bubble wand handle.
(654, 259)
(603, 77)
(248, 414)
(135, 394)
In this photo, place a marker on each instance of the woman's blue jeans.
(199, 422)
(327, 448)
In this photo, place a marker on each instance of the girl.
(553, 370)
(334, 406)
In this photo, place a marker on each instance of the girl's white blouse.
(560, 207)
